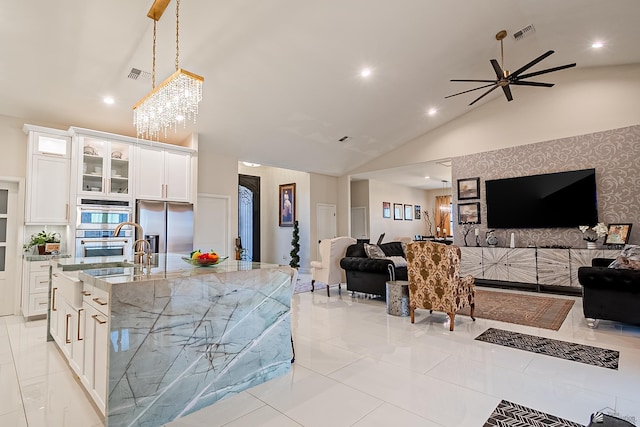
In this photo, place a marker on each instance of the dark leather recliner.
(370, 275)
(610, 293)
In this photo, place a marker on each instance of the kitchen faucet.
(138, 253)
(141, 252)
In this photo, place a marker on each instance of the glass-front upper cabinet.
(105, 168)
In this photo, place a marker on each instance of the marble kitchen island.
(180, 337)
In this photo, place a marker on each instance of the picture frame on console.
(287, 206)
(408, 212)
(618, 234)
(397, 211)
(469, 213)
(468, 188)
(386, 209)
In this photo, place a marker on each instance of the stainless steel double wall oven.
(96, 221)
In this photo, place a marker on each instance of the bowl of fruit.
(204, 259)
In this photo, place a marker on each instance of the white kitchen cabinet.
(96, 345)
(163, 174)
(104, 168)
(48, 177)
(35, 288)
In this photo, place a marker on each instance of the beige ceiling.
(282, 82)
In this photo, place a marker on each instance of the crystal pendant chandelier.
(172, 101)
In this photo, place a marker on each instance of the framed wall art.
(397, 211)
(386, 209)
(408, 212)
(469, 213)
(468, 188)
(287, 214)
(416, 212)
(618, 234)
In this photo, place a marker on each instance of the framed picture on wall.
(468, 188)
(618, 234)
(386, 209)
(469, 213)
(416, 212)
(397, 211)
(287, 206)
(408, 212)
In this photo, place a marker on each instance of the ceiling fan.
(504, 78)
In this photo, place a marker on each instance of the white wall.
(379, 192)
(582, 101)
(275, 241)
(323, 190)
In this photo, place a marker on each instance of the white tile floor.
(357, 366)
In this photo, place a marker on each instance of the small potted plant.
(592, 234)
(40, 239)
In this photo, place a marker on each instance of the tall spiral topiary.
(295, 243)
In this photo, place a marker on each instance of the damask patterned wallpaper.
(615, 155)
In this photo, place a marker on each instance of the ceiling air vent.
(134, 74)
(526, 31)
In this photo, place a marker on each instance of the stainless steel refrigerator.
(167, 225)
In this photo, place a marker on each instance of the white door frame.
(17, 265)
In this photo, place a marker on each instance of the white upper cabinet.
(163, 174)
(48, 173)
(104, 169)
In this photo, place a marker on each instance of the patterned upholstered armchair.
(435, 282)
(328, 270)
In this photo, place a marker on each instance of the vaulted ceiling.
(283, 78)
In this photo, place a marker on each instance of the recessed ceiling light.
(432, 111)
(597, 45)
(427, 177)
(366, 72)
(108, 100)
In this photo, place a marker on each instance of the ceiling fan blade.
(497, 68)
(548, 70)
(477, 81)
(484, 94)
(523, 83)
(507, 92)
(530, 64)
(470, 90)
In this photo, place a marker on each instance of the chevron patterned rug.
(586, 354)
(509, 414)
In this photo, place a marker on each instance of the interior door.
(8, 245)
(249, 216)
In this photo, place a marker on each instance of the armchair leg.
(293, 351)
(312, 282)
(339, 288)
(451, 318)
(411, 311)
(328, 294)
(473, 308)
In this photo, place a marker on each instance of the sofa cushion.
(373, 251)
(398, 261)
(629, 258)
(392, 249)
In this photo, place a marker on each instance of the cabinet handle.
(43, 281)
(43, 265)
(66, 330)
(95, 317)
(86, 293)
(53, 299)
(80, 310)
(100, 301)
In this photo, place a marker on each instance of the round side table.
(398, 298)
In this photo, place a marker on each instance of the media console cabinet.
(540, 269)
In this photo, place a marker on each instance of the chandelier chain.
(153, 64)
(177, 33)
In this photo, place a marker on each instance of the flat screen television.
(562, 199)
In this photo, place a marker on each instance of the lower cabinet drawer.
(38, 304)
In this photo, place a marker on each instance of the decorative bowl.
(203, 262)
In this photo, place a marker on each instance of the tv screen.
(563, 199)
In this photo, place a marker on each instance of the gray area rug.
(509, 414)
(595, 356)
